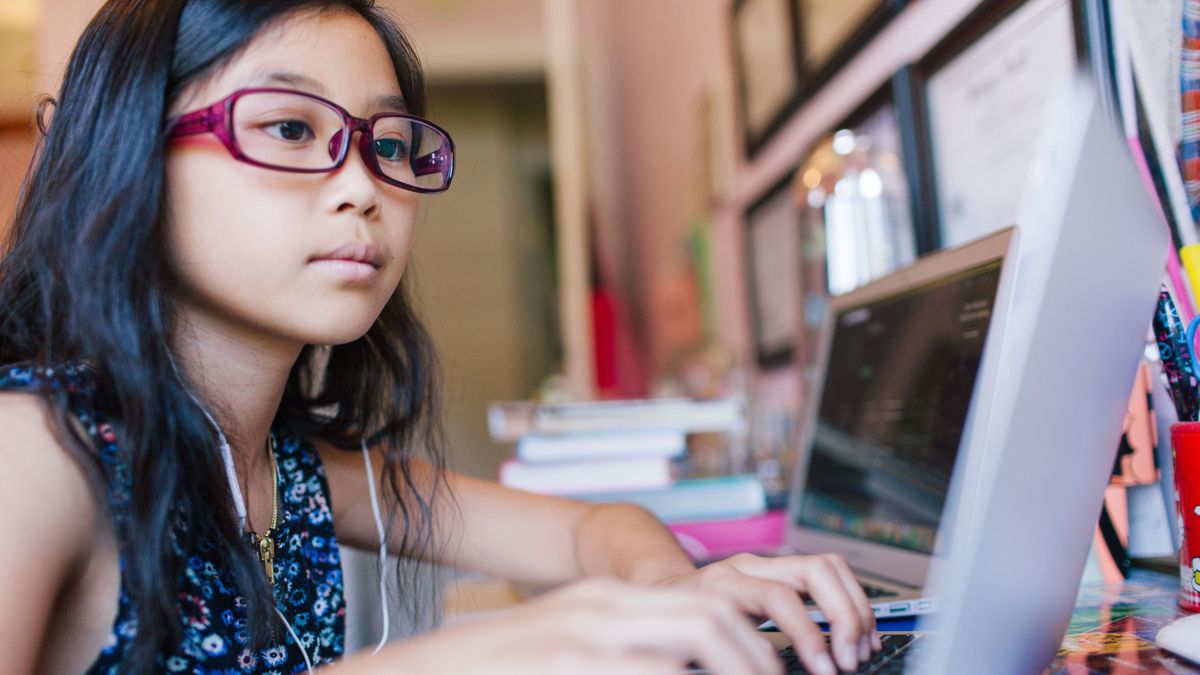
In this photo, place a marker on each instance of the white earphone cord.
(382, 545)
(239, 505)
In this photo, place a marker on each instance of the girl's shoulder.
(37, 404)
(23, 409)
(39, 475)
(49, 533)
(69, 386)
(30, 440)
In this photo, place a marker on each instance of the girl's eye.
(391, 149)
(290, 130)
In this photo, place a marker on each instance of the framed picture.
(830, 32)
(983, 93)
(765, 64)
(772, 244)
(856, 207)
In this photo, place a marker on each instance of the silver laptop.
(1068, 329)
(899, 360)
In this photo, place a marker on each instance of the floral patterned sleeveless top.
(308, 574)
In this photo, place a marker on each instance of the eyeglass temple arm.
(196, 122)
(435, 162)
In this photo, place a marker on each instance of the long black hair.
(85, 277)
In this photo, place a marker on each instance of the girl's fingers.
(861, 602)
(782, 604)
(825, 587)
(685, 625)
(820, 577)
(707, 628)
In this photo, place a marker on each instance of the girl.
(214, 366)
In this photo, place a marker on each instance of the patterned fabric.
(1189, 75)
(308, 575)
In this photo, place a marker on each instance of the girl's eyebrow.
(389, 102)
(289, 78)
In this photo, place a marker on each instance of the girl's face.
(254, 249)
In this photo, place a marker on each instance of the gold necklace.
(266, 543)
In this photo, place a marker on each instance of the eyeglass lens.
(292, 131)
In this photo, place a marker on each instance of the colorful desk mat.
(1113, 626)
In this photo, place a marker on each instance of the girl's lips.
(347, 270)
(354, 261)
(353, 251)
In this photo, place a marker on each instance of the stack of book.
(628, 451)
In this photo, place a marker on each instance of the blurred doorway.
(483, 264)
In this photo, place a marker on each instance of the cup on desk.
(1185, 447)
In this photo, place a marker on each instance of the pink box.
(709, 539)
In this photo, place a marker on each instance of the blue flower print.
(274, 655)
(246, 660)
(213, 645)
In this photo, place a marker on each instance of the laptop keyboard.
(874, 592)
(900, 651)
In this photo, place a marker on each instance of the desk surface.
(1113, 626)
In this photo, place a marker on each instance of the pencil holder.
(1185, 447)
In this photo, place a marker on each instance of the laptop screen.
(899, 378)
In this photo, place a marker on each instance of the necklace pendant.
(266, 553)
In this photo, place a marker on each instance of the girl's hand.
(599, 626)
(772, 588)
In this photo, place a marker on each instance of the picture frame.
(830, 32)
(772, 250)
(980, 97)
(765, 62)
